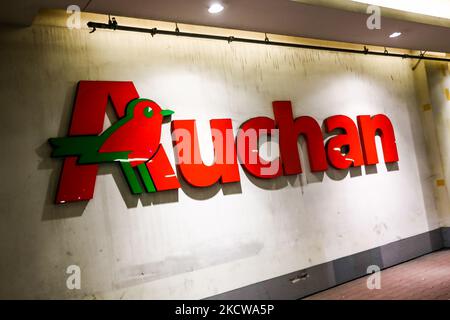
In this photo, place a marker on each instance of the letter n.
(380, 125)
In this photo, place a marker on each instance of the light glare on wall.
(434, 8)
(215, 8)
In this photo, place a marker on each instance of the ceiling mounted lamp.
(395, 34)
(215, 8)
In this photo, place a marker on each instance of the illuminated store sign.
(134, 143)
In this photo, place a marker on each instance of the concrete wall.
(195, 243)
(438, 84)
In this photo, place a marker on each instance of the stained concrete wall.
(437, 75)
(195, 243)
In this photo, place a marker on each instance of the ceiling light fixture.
(215, 8)
(395, 35)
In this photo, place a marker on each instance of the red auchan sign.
(134, 143)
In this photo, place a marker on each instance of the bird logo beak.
(166, 112)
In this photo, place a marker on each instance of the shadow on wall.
(208, 192)
(51, 211)
(75, 209)
(203, 255)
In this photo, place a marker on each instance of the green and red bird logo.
(132, 141)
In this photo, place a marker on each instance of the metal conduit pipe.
(113, 25)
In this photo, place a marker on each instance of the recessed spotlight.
(215, 8)
(395, 35)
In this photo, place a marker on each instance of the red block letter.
(289, 133)
(191, 166)
(247, 146)
(368, 128)
(77, 182)
(353, 157)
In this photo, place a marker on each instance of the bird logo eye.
(148, 112)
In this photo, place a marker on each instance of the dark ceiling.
(271, 16)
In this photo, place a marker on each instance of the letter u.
(225, 168)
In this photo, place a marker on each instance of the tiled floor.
(426, 277)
